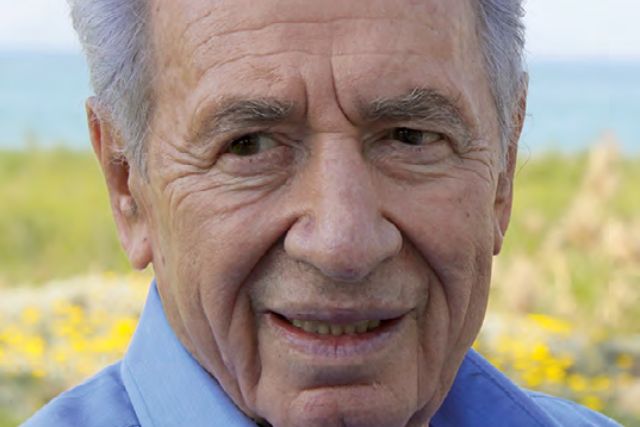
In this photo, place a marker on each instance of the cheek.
(216, 229)
(451, 226)
(210, 252)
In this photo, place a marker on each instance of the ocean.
(571, 103)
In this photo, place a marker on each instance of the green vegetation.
(55, 219)
(547, 185)
(7, 420)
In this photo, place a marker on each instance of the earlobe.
(131, 223)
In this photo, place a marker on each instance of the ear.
(504, 191)
(131, 224)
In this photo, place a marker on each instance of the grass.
(546, 186)
(55, 219)
(575, 233)
(533, 200)
(7, 420)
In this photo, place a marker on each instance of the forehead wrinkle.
(306, 15)
(215, 19)
(288, 30)
(332, 21)
(194, 25)
(208, 17)
(220, 64)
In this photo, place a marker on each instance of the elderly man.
(320, 187)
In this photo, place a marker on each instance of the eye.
(415, 137)
(251, 144)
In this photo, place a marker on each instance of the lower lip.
(336, 347)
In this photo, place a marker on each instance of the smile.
(336, 335)
(336, 330)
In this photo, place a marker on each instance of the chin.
(347, 406)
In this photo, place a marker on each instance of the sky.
(555, 28)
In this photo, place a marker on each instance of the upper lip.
(340, 315)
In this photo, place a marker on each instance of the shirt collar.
(482, 395)
(166, 385)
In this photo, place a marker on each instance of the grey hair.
(116, 41)
(502, 35)
(115, 38)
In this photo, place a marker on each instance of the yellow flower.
(34, 347)
(30, 316)
(565, 360)
(39, 373)
(124, 327)
(601, 383)
(532, 379)
(551, 324)
(540, 352)
(593, 402)
(577, 383)
(554, 374)
(624, 361)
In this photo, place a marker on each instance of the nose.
(341, 229)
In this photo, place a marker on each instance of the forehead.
(298, 49)
(206, 33)
(219, 17)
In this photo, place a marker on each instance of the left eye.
(251, 144)
(415, 137)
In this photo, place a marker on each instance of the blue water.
(42, 98)
(570, 103)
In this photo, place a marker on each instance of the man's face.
(323, 201)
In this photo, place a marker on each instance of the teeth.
(373, 324)
(361, 327)
(322, 328)
(309, 326)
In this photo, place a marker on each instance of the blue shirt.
(159, 384)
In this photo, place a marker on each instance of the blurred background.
(564, 315)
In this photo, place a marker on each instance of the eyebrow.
(234, 114)
(420, 104)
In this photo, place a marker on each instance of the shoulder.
(566, 412)
(101, 401)
(483, 395)
(557, 410)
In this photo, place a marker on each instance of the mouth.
(336, 329)
(340, 336)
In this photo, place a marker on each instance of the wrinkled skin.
(330, 213)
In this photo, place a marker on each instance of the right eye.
(251, 144)
(415, 137)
